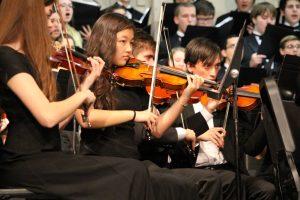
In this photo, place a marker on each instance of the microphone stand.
(234, 74)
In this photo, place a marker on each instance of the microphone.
(234, 73)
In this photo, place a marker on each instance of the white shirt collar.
(226, 65)
(256, 33)
(257, 37)
(180, 34)
(288, 24)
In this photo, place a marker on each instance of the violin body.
(59, 58)
(248, 103)
(244, 102)
(137, 74)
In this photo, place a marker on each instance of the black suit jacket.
(297, 28)
(197, 123)
(222, 17)
(229, 142)
(250, 47)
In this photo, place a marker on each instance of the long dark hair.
(103, 43)
(26, 20)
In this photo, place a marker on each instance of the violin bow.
(70, 59)
(168, 44)
(170, 56)
(154, 70)
(226, 115)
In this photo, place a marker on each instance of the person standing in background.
(66, 8)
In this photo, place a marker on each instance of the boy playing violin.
(216, 149)
(157, 149)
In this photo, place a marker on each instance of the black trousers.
(252, 188)
(177, 184)
(204, 183)
(64, 176)
(257, 188)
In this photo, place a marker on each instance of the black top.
(25, 134)
(120, 140)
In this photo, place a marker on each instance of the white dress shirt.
(209, 153)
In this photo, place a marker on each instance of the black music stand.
(217, 35)
(250, 75)
(235, 64)
(169, 18)
(85, 13)
(280, 140)
(287, 77)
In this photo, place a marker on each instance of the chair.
(9, 193)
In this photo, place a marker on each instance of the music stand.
(235, 64)
(169, 18)
(216, 35)
(251, 75)
(85, 13)
(288, 74)
(280, 140)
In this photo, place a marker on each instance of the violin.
(59, 58)
(248, 98)
(168, 80)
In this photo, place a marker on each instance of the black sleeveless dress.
(31, 157)
(125, 141)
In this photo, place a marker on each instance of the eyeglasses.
(291, 46)
(64, 5)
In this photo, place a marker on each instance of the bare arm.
(47, 113)
(168, 117)
(104, 118)
(96, 67)
(62, 125)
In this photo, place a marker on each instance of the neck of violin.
(171, 71)
(182, 74)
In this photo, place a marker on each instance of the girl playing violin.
(31, 156)
(112, 38)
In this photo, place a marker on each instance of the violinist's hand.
(97, 65)
(146, 116)
(212, 104)
(215, 135)
(194, 83)
(256, 59)
(90, 99)
(190, 138)
(155, 111)
(86, 32)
